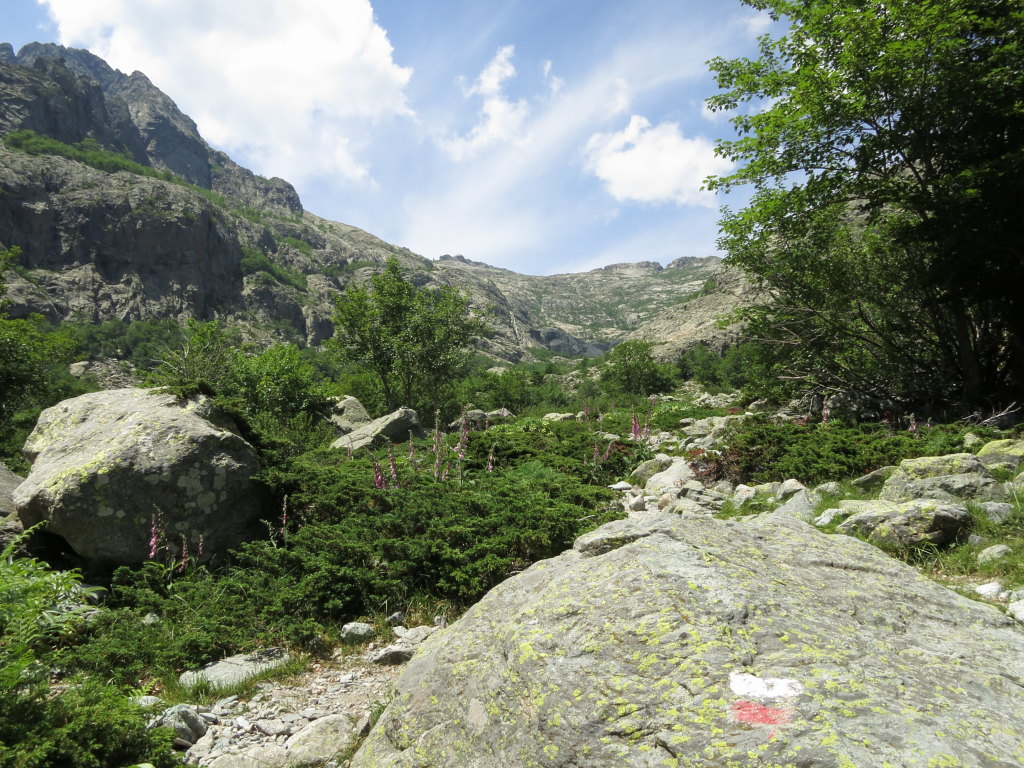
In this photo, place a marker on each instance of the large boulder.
(111, 469)
(348, 414)
(908, 524)
(1002, 452)
(705, 642)
(957, 476)
(396, 427)
(673, 477)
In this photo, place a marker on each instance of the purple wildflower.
(391, 463)
(378, 477)
(155, 534)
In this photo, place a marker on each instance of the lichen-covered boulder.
(673, 477)
(749, 642)
(957, 476)
(908, 524)
(649, 468)
(396, 427)
(348, 414)
(111, 469)
(1004, 452)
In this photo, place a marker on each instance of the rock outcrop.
(956, 476)
(908, 524)
(395, 427)
(113, 469)
(703, 642)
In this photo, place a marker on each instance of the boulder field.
(672, 640)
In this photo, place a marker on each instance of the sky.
(542, 136)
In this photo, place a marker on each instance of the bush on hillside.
(762, 451)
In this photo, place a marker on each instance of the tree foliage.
(413, 339)
(885, 144)
(633, 370)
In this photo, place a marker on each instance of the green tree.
(413, 339)
(885, 143)
(33, 358)
(633, 370)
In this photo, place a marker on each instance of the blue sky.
(538, 135)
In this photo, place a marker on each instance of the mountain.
(122, 210)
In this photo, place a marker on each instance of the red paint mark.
(758, 714)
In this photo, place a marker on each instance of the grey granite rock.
(111, 468)
(235, 669)
(395, 427)
(710, 643)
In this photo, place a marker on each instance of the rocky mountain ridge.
(203, 237)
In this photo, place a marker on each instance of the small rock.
(235, 669)
(223, 705)
(993, 553)
(1016, 609)
(398, 653)
(830, 488)
(827, 517)
(991, 591)
(788, 489)
(395, 618)
(273, 728)
(768, 489)
(357, 630)
(873, 481)
(326, 736)
(622, 485)
(743, 494)
(184, 720)
(997, 511)
(800, 505)
(414, 636)
(559, 417)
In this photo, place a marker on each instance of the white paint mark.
(754, 687)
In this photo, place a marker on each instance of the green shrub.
(87, 151)
(300, 245)
(762, 451)
(140, 342)
(254, 261)
(90, 724)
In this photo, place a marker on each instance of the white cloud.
(524, 201)
(500, 119)
(653, 164)
(757, 24)
(555, 83)
(296, 85)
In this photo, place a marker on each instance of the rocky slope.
(98, 245)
